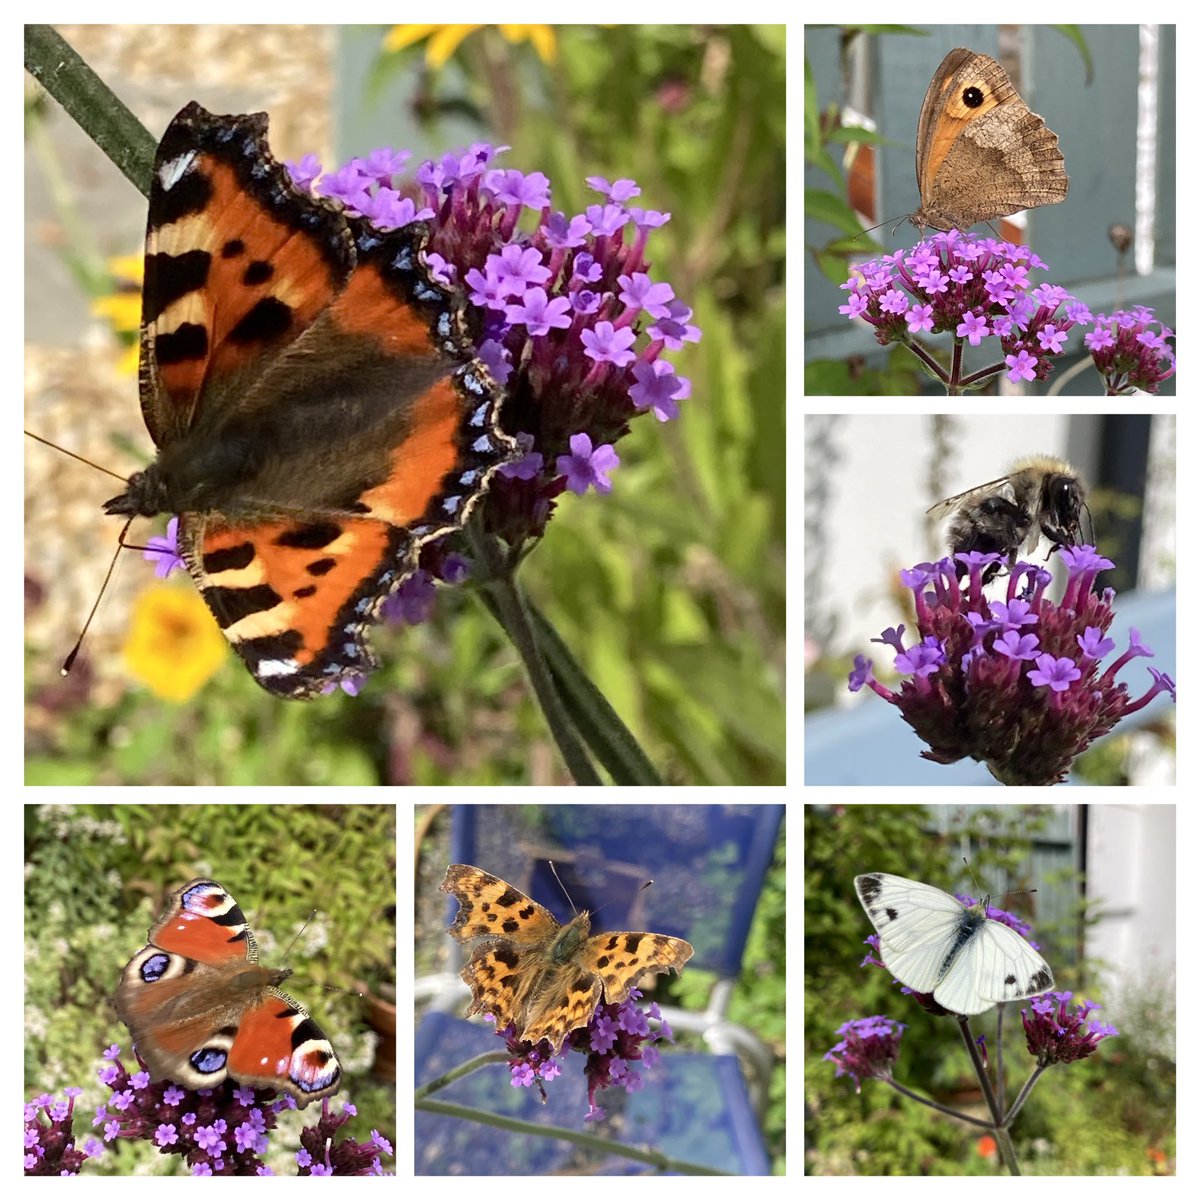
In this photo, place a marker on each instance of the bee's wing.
(943, 508)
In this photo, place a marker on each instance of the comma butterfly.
(543, 978)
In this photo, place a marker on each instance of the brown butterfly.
(544, 978)
(980, 152)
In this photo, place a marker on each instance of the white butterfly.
(932, 942)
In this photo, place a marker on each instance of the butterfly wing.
(278, 1045)
(921, 928)
(997, 964)
(239, 262)
(928, 121)
(200, 1009)
(385, 380)
(621, 960)
(489, 907)
(507, 968)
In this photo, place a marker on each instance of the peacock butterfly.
(201, 1008)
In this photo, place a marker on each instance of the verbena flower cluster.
(869, 1049)
(981, 288)
(1129, 353)
(573, 324)
(617, 1037)
(217, 1131)
(1019, 683)
(1056, 1032)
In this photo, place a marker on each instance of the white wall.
(1131, 877)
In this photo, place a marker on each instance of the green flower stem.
(467, 1068)
(508, 606)
(575, 695)
(602, 1146)
(91, 103)
(606, 734)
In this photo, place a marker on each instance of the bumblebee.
(1041, 496)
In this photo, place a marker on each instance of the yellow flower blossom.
(174, 646)
(443, 40)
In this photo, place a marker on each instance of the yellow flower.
(443, 40)
(174, 646)
(122, 307)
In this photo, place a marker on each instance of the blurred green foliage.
(670, 590)
(96, 879)
(1120, 1100)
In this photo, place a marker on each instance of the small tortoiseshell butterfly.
(201, 1009)
(315, 395)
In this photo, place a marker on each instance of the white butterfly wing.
(933, 943)
(997, 964)
(919, 927)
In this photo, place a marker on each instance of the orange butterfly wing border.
(316, 398)
(543, 978)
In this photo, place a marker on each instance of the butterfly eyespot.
(972, 97)
(209, 1061)
(153, 969)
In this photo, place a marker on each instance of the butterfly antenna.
(978, 890)
(554, 872)
(76, 457)
(69, 661)
(291, 945)
(332, 987)
(988, 899)
(872, 228)
(607, 903)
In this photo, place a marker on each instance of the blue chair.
(708, 864)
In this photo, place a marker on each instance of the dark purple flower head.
(223, 1130)
(1018, 685)
(868, 1049)
(50, 1140)
(1056, 1032)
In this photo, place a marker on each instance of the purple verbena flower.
(1018, 685)
(1129, 354)
(975, 289)
(163, 552)
(868, 1049)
